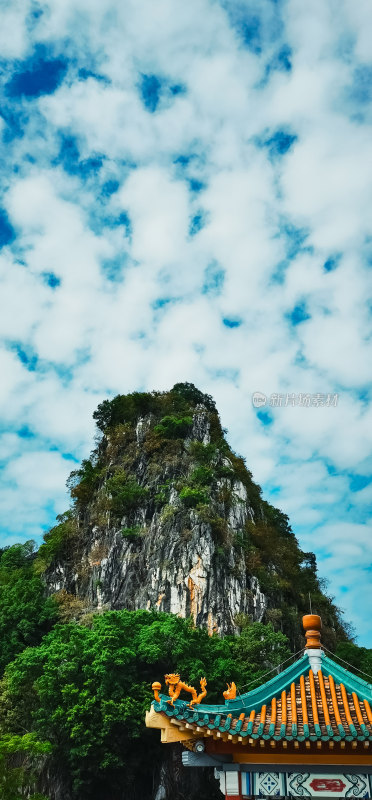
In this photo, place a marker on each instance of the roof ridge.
(351, 682)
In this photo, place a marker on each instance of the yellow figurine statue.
(175, 686)
(230, 692)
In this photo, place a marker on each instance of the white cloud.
(32, 482)
(13, 31)
(159, 210)
(151, 322)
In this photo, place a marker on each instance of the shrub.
(219, 526)
(240, 539)
(126, 493)
(202, 476)
(58, 541)
(192, 497)
(167, 513)
(119, 439)
(172, 427)
(223, 471)
(84, 481)
(69, 606)
(162, 496)
(203, 453)
(131, 533)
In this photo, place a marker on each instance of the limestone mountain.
(166, 516)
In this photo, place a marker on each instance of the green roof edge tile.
(351, 682)
(364, 730)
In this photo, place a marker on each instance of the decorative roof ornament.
(230, 692)
(312, 625)
(156, 688)
(175, 687)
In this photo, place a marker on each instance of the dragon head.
(172, 679)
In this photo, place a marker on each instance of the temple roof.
(313, 700)
(314, 707)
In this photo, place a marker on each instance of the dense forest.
(76, 670)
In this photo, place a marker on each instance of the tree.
(358, 659)
(259, 646)
(86, 689)
(25, 612)
(194, 396)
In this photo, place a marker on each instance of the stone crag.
(166, 516)
(164, 556)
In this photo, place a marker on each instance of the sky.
(186, 195)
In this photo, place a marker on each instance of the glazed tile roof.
(311, 707)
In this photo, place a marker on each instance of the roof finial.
(312, 625)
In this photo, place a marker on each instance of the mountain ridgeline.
(165, 516)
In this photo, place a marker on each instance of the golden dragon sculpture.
(175, 687)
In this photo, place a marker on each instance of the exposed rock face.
(166, 516)
(173, 560)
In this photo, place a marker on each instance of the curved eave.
(255, 699)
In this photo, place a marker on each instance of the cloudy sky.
(186, 194)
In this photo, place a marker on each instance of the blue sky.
(186, 195)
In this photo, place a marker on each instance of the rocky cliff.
(166, 516)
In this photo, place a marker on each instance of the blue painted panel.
(247, 788)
